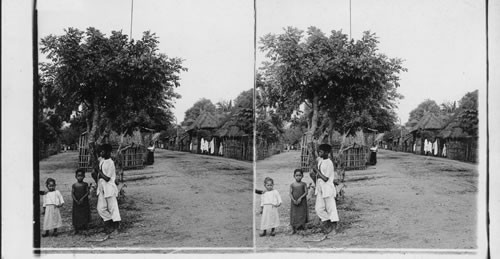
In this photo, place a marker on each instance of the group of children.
(53, 200)
(107, 205)
(325, 207)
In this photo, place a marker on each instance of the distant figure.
(52, 201)
(373, 154)
(221, 153)
(444, 150)
(81, 207)
(298, 207)
(269, 203)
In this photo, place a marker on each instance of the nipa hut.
(235, 143)
(457, 144)
(425, 134)
(202, 134)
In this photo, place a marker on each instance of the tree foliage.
(202, 105)
(468, 113)
(348, 82)
(424, 107)
(109, 77)
(113, 82)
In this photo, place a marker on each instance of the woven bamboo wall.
(463, 150)
(355, 158)
(237, 148)
(83, 153)
(304, 155)
(131, 158)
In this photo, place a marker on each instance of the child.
(107, 191)
(52, 201)
(298, 208)
(269, 203)
(325, 207)
(81, 207)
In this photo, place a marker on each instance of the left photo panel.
(144, 120)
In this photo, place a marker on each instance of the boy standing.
(325, 207)
(107, 191)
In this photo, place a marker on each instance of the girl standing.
(52, 201)
(269, 203)
(81, 206)
(298, 208)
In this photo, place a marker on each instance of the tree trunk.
(310, 136)
(92, 136)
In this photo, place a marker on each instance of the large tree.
(200, 106)
(468, 113)
(427, 106)
(109, 80)
(348, 82)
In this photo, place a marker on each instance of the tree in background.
(424, 107)
(202, 105)
(346, 81)
(110, 81)
(468, 113)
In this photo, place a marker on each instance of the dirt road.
(405, 201)
(183, 200)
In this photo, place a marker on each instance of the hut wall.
(237, 148)
(354, 158)
(304, 155)
(462, 149)
(134, 157)
(131, 158)
(419, 147)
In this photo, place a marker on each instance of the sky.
(215, 38)
(442, 43)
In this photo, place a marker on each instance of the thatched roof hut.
(453, 131)
(204, 121)
(429, 122)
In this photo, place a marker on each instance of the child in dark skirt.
(81, 206)
(298, 207)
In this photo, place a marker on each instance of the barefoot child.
(81, 207)
(52, 201)
(325, 207)
(107, 191)
(269, 203)
(298, 207)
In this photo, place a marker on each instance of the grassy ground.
(183, 200)
(405, 201)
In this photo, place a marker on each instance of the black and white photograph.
(250, 128)
(368, 115)
(145, 124)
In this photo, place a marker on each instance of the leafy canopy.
(354, 84)
(129, 83)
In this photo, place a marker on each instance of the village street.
(182, 200)
(405, 201)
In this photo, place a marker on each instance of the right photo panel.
(367, 125)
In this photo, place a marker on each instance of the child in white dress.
(52, 201)
(269, 203)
